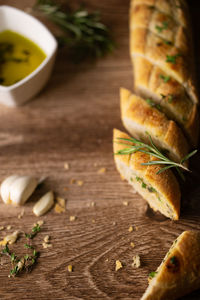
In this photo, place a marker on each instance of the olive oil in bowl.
(19, 57)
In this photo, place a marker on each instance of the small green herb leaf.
(152, 274)
(163, 27)
(153, 104)
(165, 78)
(172, 58)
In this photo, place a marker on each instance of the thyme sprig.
(83, 33)
(152, 150)
(26, 262)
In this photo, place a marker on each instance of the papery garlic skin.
(44, 204)
(5, 188)
(21, 189)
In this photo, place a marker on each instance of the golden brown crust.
(138, 117)
(164, 39)
(165, 183)
(170, 95)
(179, 274)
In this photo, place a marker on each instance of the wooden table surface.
(71, 120)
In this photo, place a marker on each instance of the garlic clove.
(5, 188)
(21, 189)
(44, 204)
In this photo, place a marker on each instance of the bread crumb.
(10, 239)
(72, 218)
(40, 222)
(80, 182)
(72, 181)
(132, 244)
(101, 171)
(130, 229)
(8, 227)
(107, 260)
(125, 203)
(114, 223)
(59, 209)
(46, 239)
(136, 261)
(46, 245)
(70, 268)
(21, 214)
(92, 204)
(2, 228)
(118, 265)
(66, 166)
(61, 201)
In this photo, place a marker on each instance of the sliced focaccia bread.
(140, 116)
(160, 190)
(179, 272)
(164, 42)
(151, 82)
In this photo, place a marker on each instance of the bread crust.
(179, 273)
(165, 183)
(158, 36)
(139, 117)
(170, 95)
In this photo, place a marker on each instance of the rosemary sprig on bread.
(152, 150)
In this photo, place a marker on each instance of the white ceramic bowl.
(28, 26)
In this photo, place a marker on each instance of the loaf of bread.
(179, 272)
(161, 191)
(162, 55)
(140, 116)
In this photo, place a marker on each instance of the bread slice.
(179, 272)
(160, 190)
(170, 95)
(140, 116)
(164, 42)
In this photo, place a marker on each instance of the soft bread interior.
(160, 190)
(139, 117)
(179, 271)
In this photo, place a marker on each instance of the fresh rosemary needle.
(83, 33)
(152, 150)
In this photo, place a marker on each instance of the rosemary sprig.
(83, 33)
(152, 150)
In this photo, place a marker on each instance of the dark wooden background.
(71, 120)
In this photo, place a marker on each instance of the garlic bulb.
(17, 189)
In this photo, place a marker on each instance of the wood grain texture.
(71, 120)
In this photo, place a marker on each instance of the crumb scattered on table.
(118, 265)
(80, 182)
(130, 229)
(72, 218)
(8, 227)
(70, 268)
(21, 214)
(72, 181)
(136, 261)
(101, 171)
(2, 227)
(125, 203)
(66, 166)
(46, 245)
(132, 244)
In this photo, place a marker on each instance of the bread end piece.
(179, 272)
(161, 191)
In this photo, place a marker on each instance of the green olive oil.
(19, 57)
